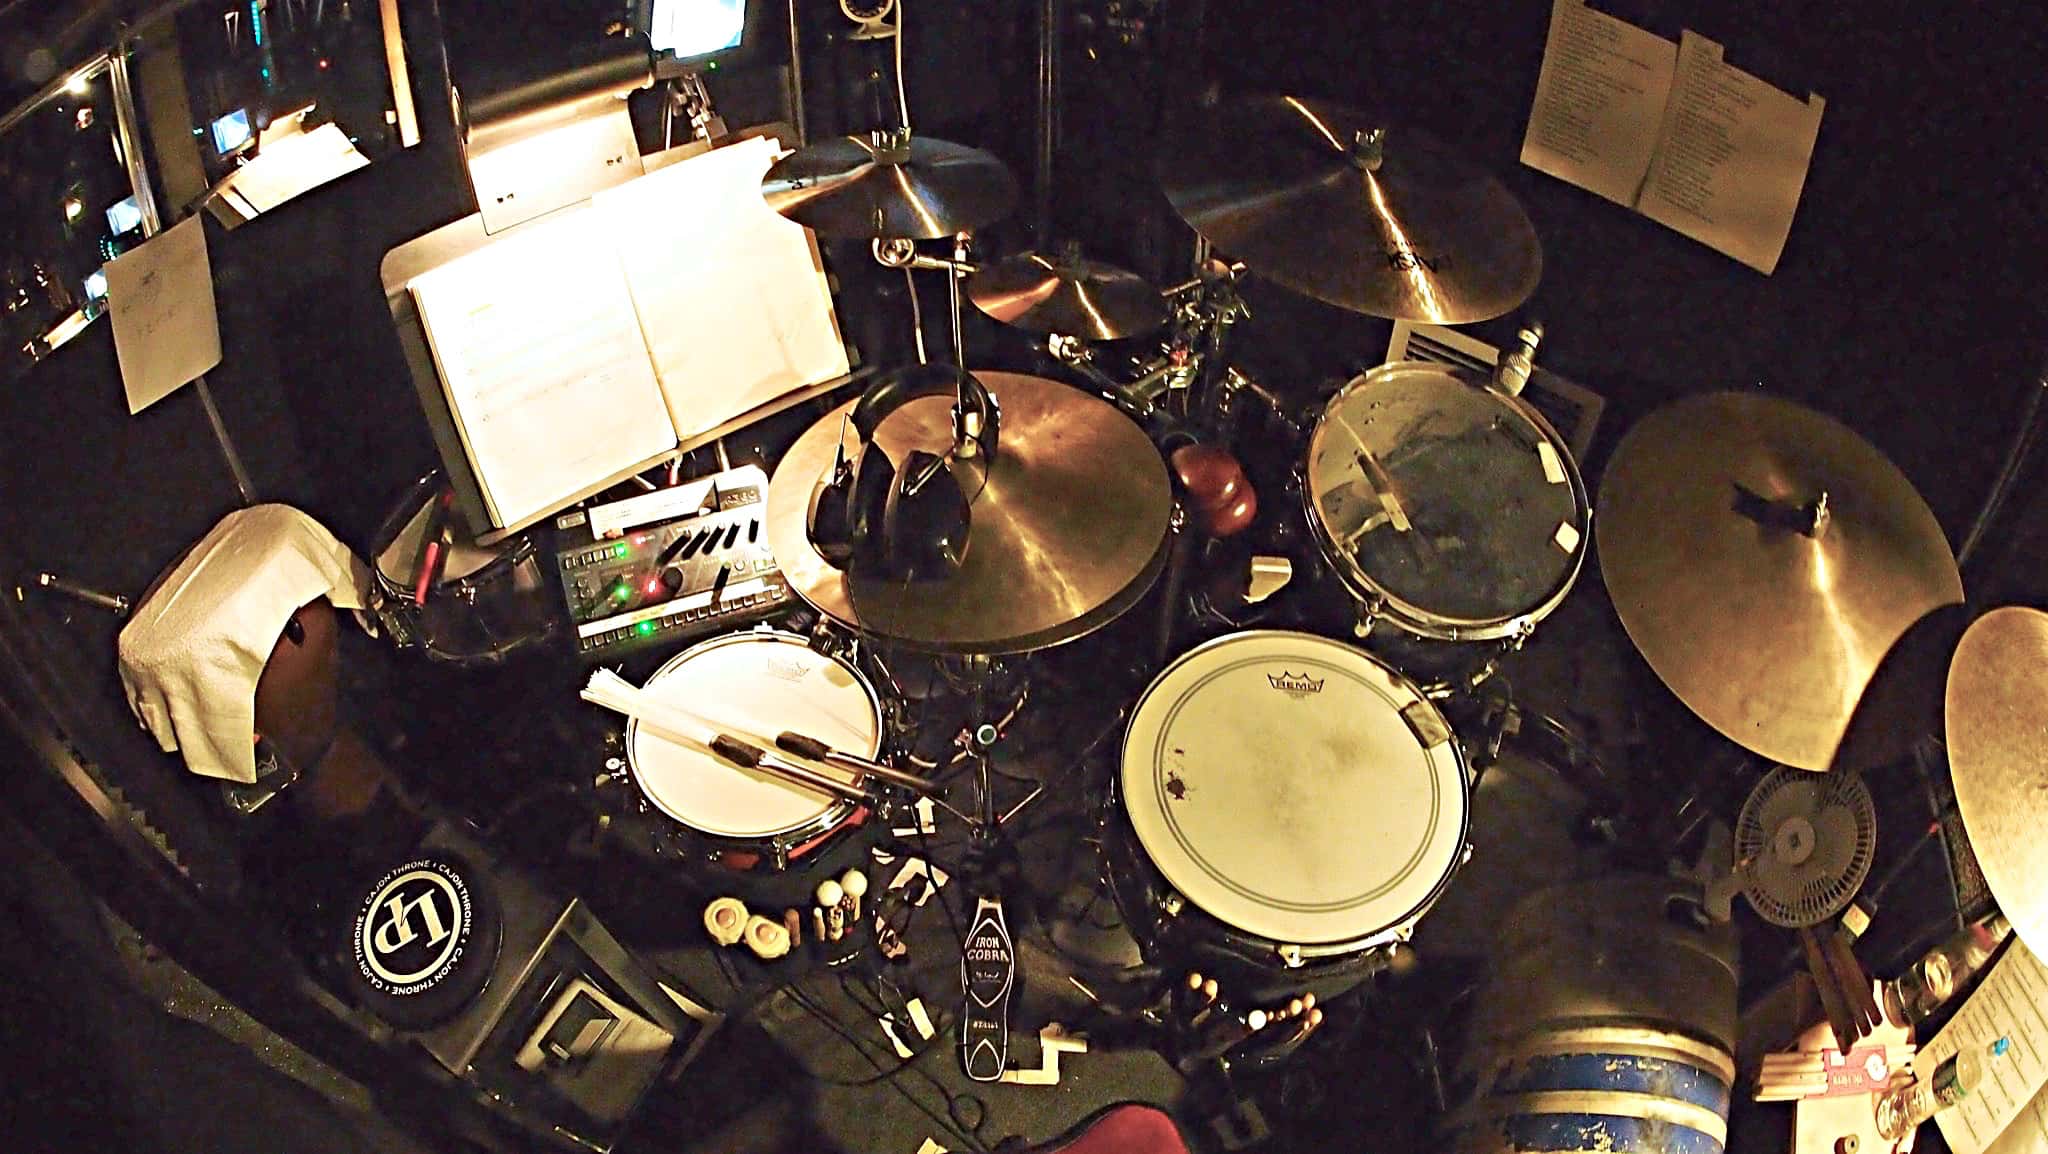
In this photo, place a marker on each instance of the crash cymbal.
(890, 186)
(1765, 559)
(1996, 712)
(1068, 295)
(1068, 531)
(1341, 205)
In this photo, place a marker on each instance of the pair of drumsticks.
(1259, 1037)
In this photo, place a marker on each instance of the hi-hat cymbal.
(1068, 295)
(1765, 559)
(1996, 712)
(888, 186)
(1068, 531)
(1343, 206)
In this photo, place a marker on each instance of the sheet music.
(1732, 159)
(545, 371)
(730, 297)
(166, 330)
(1600, 101)
(2008, 1112)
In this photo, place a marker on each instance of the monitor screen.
(123, 215)
(96, 285)
(231, 132)
(688, 29)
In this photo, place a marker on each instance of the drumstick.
(1377, 476)
(692, 731)
(427, 565)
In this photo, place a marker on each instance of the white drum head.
(755, 686)
(1276, 783)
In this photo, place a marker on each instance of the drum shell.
(499, 604)
(673, 834)
(1378, 603)
(1606, 1023)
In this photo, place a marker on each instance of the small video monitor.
(96, 286)
(232, 132)
(123, 216)
(697, 30)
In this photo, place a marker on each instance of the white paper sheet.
(1732, 159)
(543, 364)
(730, 297)
(1599, 101)
(2008, 1112)
(290, 165)
(166, 331)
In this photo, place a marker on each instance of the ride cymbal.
(1069, 295)
(1996, 711)
(890, 186)
(1344, 207)
(1765, 559)
(1068, 530)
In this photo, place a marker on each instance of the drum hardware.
(1341, 206)
(114, 603)
(1713, 506)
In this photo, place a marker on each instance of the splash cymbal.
(890, 186)
(1765, 559)
(1068, 531)
(1068, 295)
(1343, 206)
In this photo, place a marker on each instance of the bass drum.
(1451, 511)
(1285, 803)
(488, 604)
(756, 685)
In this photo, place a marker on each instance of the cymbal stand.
(1191, 379)
(903, 254)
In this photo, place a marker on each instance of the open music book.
(1672, 131)
(588, 345)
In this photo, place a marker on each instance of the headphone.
(870, 517)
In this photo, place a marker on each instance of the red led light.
(654, 584)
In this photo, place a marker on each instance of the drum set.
(1288, 803)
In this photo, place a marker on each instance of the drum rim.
(835, 813)
(1396, 929)
(505, 553)
(1405, 614)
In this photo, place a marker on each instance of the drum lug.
(1524, 629)
(1368, 614)
(1171, 905)
(1290, 956)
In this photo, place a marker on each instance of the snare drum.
(755, 685)
(1452, 511)
(488, 604)
(1288, 801)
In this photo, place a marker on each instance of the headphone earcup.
(867, 505)
(826, 522)
(925, 532)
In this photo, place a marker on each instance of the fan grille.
(1803, 845)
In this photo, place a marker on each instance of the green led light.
(620, 550)
(621, 593)
(644, 628)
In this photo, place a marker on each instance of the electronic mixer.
(669, 566)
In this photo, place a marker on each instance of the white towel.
(192, 653)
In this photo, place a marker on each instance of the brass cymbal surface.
(1340, 205)
(878, 187)
(1069, 295)
(1765, 559)
(1068, 530)
(1996, 717)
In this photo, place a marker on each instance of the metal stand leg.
(220, 436)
